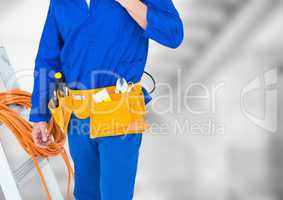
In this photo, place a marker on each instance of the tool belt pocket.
(62, 113)
(124, 114)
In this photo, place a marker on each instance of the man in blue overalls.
(92, 42)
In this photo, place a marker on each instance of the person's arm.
(47, 61)
(159, 19)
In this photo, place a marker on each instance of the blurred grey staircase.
(211, 28)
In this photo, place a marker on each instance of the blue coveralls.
(92, 47)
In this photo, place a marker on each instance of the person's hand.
(40, 135)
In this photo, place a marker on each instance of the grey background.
(209, 148)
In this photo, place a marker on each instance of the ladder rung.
(27, 167)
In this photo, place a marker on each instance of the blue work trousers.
(105, 168)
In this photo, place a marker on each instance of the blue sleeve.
(46, 63)
(164, 24)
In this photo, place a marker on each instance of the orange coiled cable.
(22, 129)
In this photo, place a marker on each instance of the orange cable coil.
(22, 130)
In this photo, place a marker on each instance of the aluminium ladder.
(11, 180)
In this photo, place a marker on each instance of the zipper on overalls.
(90, 12)
(91, 6)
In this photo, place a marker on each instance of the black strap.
(153, 81)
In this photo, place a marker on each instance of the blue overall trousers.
(105, 168)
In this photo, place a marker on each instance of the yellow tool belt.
(124, 114)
